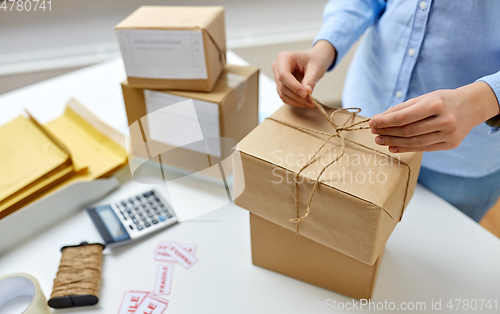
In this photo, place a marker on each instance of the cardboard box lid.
(179, 18)
(231, 78)
(290, 149)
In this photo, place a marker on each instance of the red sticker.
(131, 301)
(164, 279)
(152, 305)
(181, 256)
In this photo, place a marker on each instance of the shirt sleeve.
(344, 21)
(494, 82)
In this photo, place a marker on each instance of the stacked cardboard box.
(357, 202)
(178, 54)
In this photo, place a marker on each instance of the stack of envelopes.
(36, 160)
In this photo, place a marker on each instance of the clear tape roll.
(18, 285)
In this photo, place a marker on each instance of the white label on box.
(164, 279)
(163, 54)
(180, 121)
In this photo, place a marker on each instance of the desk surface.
(435, 253)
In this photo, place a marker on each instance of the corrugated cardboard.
(210, 20)
(283, 251)
(347, 214)
(236, 93)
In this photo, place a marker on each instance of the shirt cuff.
(494, 82)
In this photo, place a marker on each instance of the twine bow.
(338, 132)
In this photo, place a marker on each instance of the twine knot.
(338, 132)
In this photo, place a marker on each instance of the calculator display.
(112, 223)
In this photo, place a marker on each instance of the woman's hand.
(296, 72)
(436, 121)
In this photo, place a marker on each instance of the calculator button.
(132, 215)
(131, 201)
(128, 210)
(157, 199)
(154, 221)
(138, 198)
(147, 224)
(169, 216)
(124, 204)
(131, 227)
(139, 228)
(150, 215)
(161, 218)
(150, 193)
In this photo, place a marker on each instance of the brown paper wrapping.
(348, 214)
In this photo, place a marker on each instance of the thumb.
(311, 76)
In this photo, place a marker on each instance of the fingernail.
(393, 149)
(379, 140)
(302, 94)
(374, 130)
(374, 123)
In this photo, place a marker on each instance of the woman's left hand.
(435, 121)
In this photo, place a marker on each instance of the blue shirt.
(416, 47)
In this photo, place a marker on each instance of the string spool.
(79, 276)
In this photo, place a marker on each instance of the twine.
(79, 271)
(339, 129)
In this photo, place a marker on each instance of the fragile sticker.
(180, 255)
(162, 253)
(131, 301)
(164, 279)
(152, 305)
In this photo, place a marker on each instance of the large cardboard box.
(359, 199)
(158, 126)
(169, 47)
(285, 252)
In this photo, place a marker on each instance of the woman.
(428, 72)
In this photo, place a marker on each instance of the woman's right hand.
(296, 72)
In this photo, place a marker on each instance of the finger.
(398, 107)
(425, 126)
(285, 90)
(430, 148)
(416, 112)
(284, 75)
(404, 104)
(415, 141)
(289, 101)
(311, 76)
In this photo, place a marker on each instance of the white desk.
(435, 253)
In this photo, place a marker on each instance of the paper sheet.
(163, 54)
(175, 121)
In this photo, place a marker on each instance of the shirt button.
(423, 5)
(411, 52)
(399, 94)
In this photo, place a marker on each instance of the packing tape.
(18, 285)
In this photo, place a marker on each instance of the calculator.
(132, 218)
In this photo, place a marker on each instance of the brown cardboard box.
(169, 47)
(234, 99)
(359, 200)
(283, 251)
